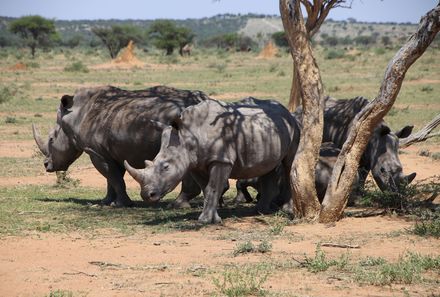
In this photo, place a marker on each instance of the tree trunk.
(306, 204)
(295, 94)
(346, 166)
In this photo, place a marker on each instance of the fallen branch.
(338, 245)
(422, 135)
(79, 272)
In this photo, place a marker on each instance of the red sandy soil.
(184, 263)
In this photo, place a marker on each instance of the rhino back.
(117, 123)
(253, 135)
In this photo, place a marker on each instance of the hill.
(258, 27)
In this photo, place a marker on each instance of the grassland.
(252, 255)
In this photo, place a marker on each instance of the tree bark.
(317, 12)
(345, 168)
(422, 135)
(295, 93)
(306, 204)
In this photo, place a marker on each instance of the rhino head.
(59, 149)
(163, 174)
(386, 167)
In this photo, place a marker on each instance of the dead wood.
(421, 135)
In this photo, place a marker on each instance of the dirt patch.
(422, 81)
(185, 263)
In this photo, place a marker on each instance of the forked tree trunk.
(346, 166)
(302, 175)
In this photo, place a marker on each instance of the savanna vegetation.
(152, 250)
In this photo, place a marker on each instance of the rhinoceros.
(113, 125)
(214, 141)
(381, 155)
(328, 155)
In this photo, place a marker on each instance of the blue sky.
(362, 10)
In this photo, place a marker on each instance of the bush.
(428, 228)
(334, 54)
(76, 67)
(5, 95)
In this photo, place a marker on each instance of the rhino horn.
(148, 163)
(40, 143)
(410, 177)
(135, 173)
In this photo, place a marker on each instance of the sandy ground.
(184, 263)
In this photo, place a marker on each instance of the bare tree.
(302, 174)
(317, 12)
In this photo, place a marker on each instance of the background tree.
(167, 36)
(117, 37)
(35, 31)
(302, 175)
(280, 39)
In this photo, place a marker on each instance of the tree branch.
(421, 135)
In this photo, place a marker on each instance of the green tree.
(35, 31)
(280, 39)
(117, 37)
(167, 36)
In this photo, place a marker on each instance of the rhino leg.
(212, 191)
(110, 197)
(190, 189)
(115, 179)
(268, 189)
(242, 192)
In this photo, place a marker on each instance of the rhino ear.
(404, 132)
(177, 123)
(67, 101)
(384, 130)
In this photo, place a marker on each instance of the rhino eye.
(165, 166)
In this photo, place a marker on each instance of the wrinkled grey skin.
(381, 155)
(327, 158)
(214, 141)
(113, 125)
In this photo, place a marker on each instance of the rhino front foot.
(242, 198)
(211, 217)
(179, 204)
(123, 203)
(263, 208)
(107, 200)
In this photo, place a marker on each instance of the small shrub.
(60, 293)
(10, 120)
(242, 281)
(428, 228)
(424, 153)
(281, 73)
(264, 247)
(273, 67)
(76, 67)
(6, 95)
(407, 270)
(244, 248)
(33, 65)
(427, 89)
(319, 262)
(435, 156)
(334, 54)
(379, 51)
